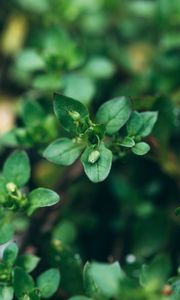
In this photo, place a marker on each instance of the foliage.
(118, 238)
(98, 139)
(15, 278)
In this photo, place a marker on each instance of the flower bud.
(74, 115)
(11, 187)
(93, 156)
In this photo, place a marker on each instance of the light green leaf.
(22, 282)
(141, 148)
(134, 124)
(128, 142)
(48, 282)
(6, 293)
(106, 279)
(29, 60)
(141, 124)
(97, 170)
(100, 67)
(63, 151)
(10, 254)
(81, 86)
(28, 262)
(41, 197)
(64, 107)
(114, 114)
(47, 82)
(17, 168)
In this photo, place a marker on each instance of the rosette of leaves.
(15, 175)
(38, 128)
(17, 283)
(98, 141)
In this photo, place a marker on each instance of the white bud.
(74, 115)
(93, 156)
(11, 187)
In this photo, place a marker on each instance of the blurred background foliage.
(94, 50)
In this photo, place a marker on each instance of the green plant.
(101, 138)
(118, 239)
(15, 278)
(13, 198)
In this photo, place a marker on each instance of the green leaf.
(32, 113)
(48, 282)
(47, 82)
(28, 262)
(17, 168)
(141, 148)
(114, 114)
(100, 67)
(6, 232)
(6, 292)
(128, 142)
(64, 107)
(98, 169)
(9, 138)
(81, 86)
(134, 124)
(41, 197)
(29, 60)
(155, 275)
(10, 254)
(105, 279)
(63, 151)
(141, 124)
(22, 282)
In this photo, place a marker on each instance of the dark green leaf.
(32, 113)
(22, 282)
(28, 262)
(64, 107)
(10, 254)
